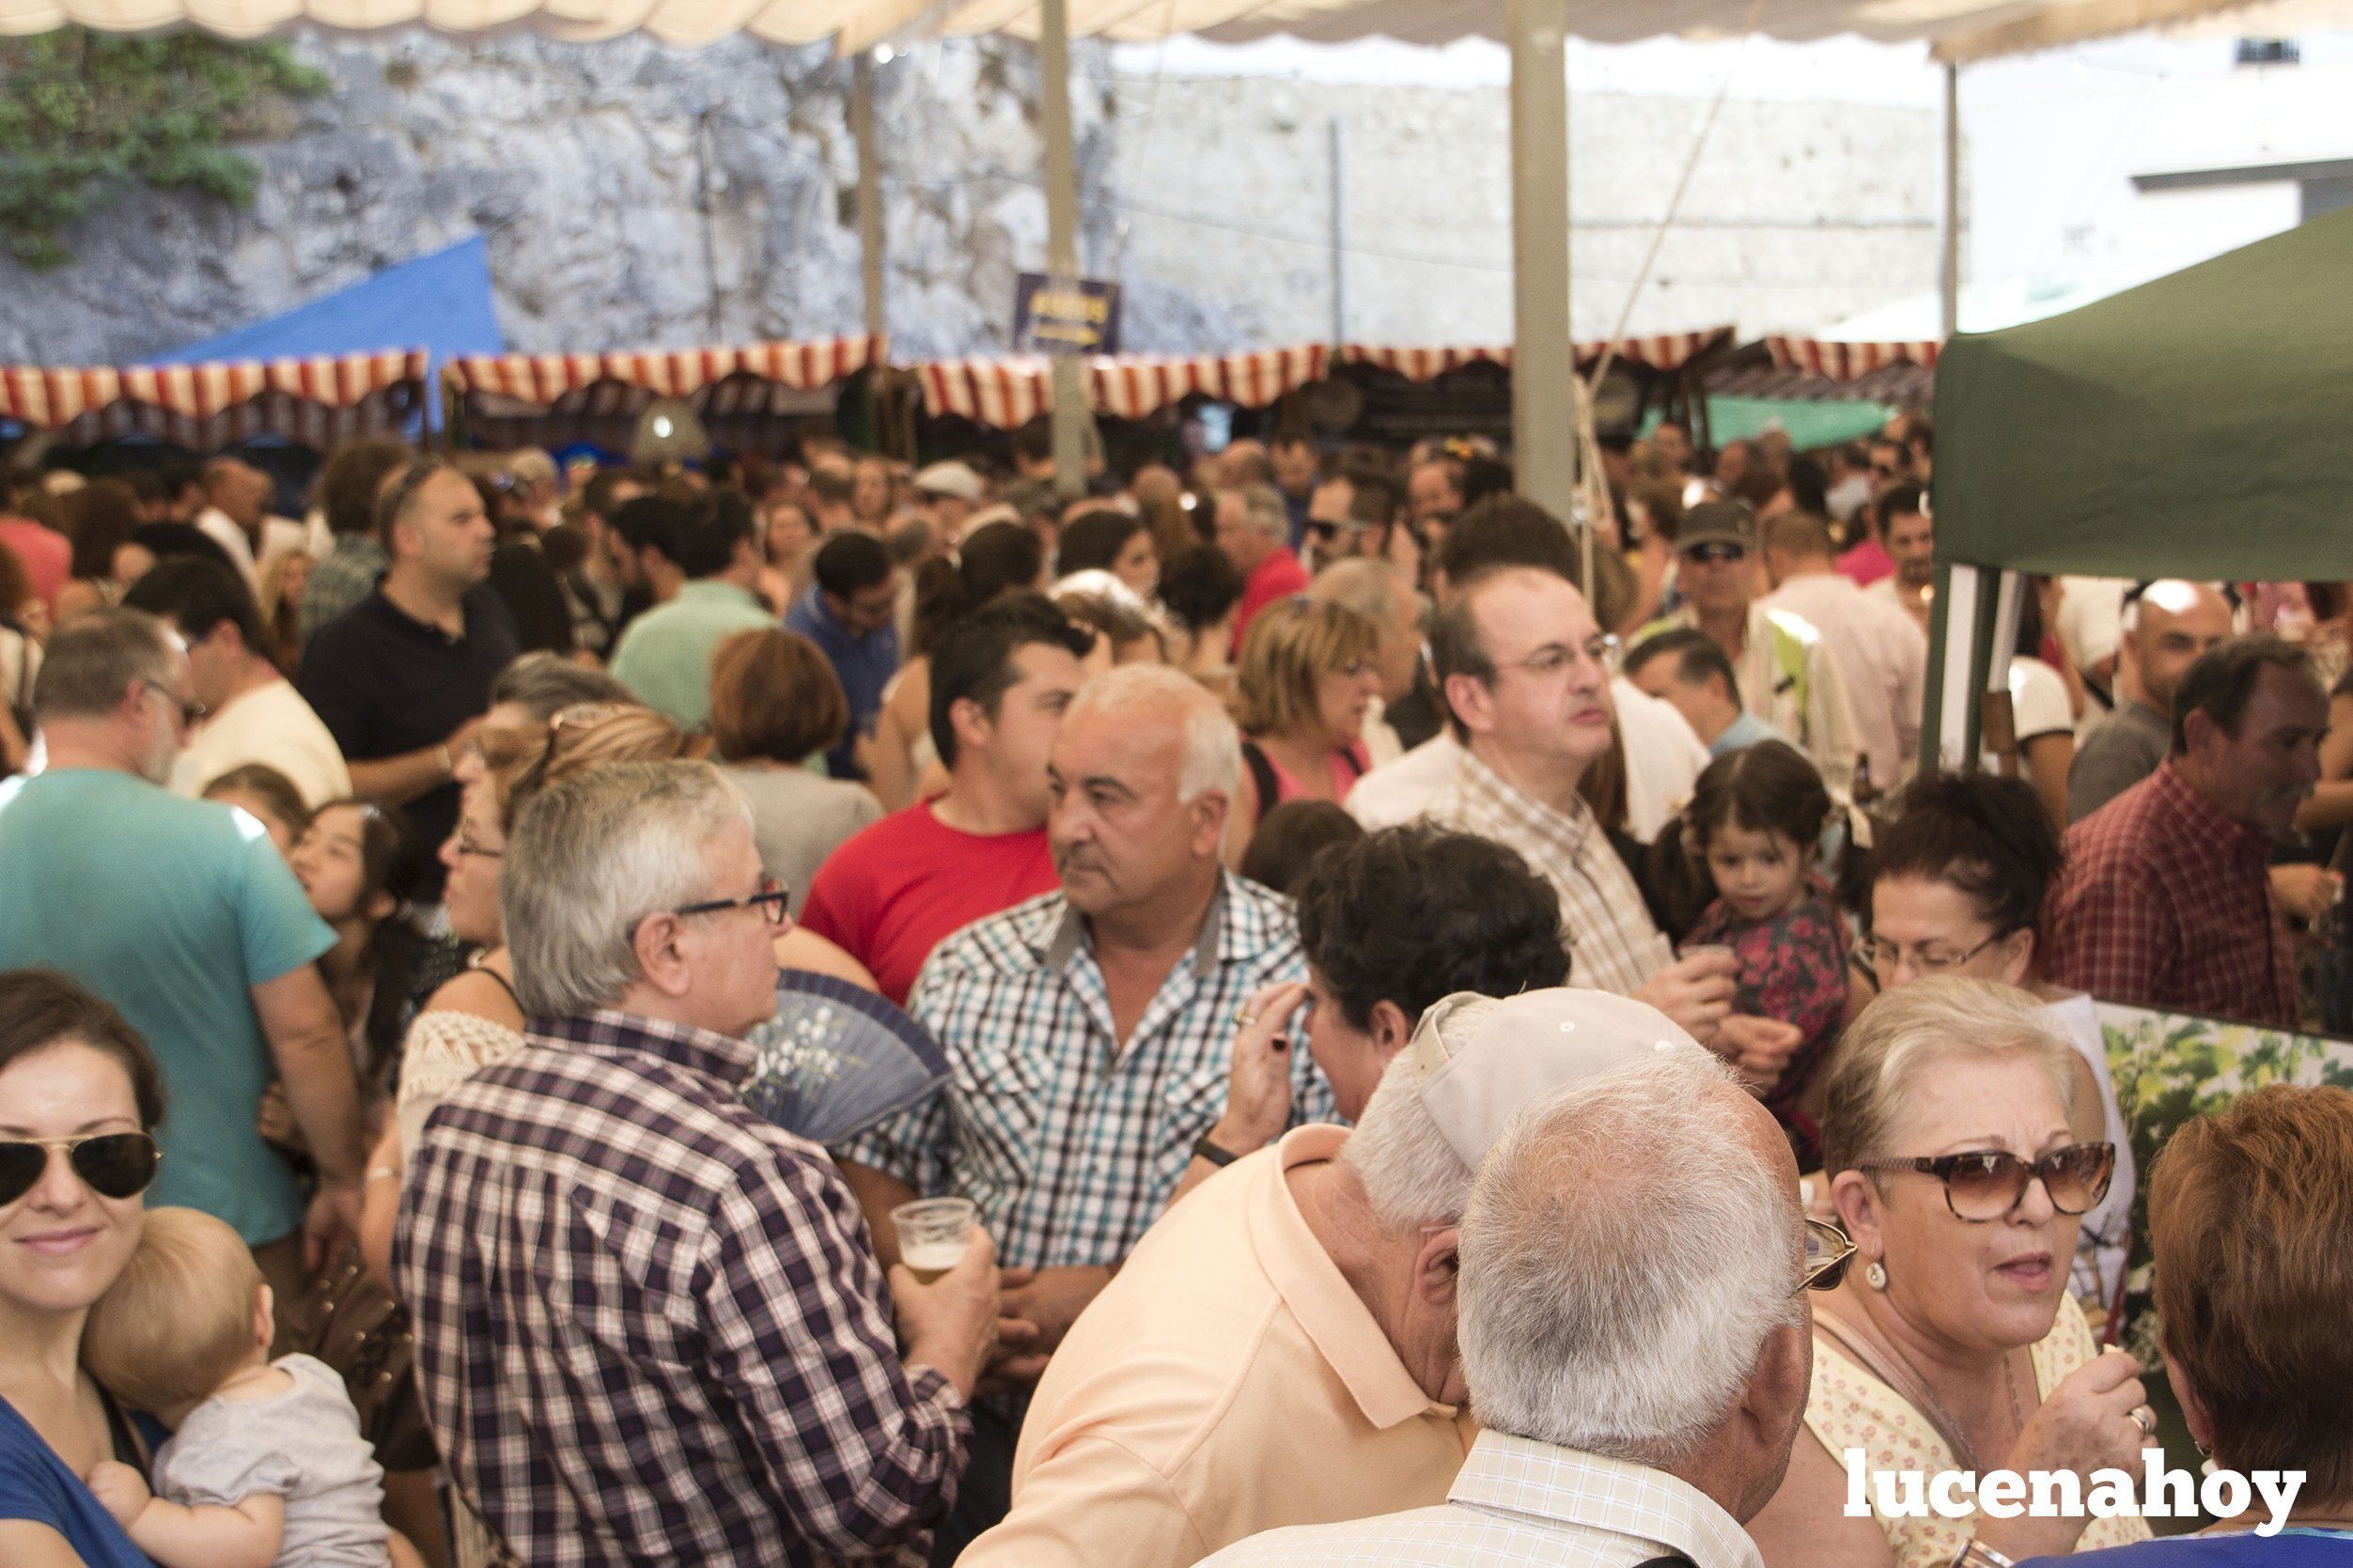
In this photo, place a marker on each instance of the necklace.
(1941, 1414)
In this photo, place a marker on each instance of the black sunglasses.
(1717, 552)
(113, 1164)
(1987, 1184)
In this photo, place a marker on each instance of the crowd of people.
(1466, 1036)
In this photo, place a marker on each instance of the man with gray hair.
(183, 914)
(1254, 531)
(1634, 1334)
(1281, 1350)
(1089, 1030)
(649, 1326)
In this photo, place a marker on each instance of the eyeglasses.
(1987, 1184)
(1881, 957)
(1554, 659)
(773, 901)
(113, 1164)
(191, 711)
(1828, 1251)
(1717, 552)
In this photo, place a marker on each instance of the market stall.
(748, 397)
(319, 402)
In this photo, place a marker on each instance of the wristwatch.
(1214, 1153)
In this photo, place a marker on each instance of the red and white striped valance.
(541, 379)
(1847, 362)
(52, 398)
(1663, 351)
(1009, 393)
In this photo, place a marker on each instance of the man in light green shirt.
(665, 655)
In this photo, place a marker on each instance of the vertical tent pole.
(1949, 263)
(1339, 234)
(1543, 366)
(1062, 235)
(869, 188)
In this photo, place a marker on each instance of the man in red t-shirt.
(1252, 528)
(1000, 679)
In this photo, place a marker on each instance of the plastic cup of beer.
(933, 1234)
(1694, 950)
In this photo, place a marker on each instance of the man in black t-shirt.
(403, 677)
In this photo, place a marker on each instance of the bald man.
(2166, 630)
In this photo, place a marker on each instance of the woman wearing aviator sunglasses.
(1957, 883)
(1951, 1344)
(79, 1099)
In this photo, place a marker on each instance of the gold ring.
(1244, 1017)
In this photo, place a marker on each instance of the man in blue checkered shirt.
(1090, 1030)
(649, 1327)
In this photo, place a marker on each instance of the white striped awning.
(540, 380)
(54, 398)
(1008, 393)
(1847, 362)
(1957, 30)
(1663, 351)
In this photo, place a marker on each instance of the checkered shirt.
(1069, 1144)
(2166, 902)
(1527, 1503)
(347, 575)
(1605, 925)
(649, 1326)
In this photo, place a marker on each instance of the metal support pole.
(1062, 234)
(1544, 364)
(869, 188)
(1949, 269)
(1339, 233)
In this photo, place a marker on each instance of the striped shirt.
(1604, 924)
(1068, 1142)
(649, 1325)
(1527, 1503)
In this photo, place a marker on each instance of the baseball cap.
(1717, 522)
(1480, 1062)
(949, 478)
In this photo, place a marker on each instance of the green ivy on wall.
(83, 116)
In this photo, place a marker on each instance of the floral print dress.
(1793, 967)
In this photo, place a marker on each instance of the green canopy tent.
(2199, 425)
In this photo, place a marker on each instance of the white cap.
(949, 478)
(1480, 1063)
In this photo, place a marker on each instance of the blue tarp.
(440, 302)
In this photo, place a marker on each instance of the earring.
(1876, 1275)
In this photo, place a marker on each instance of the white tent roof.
(1959, 29)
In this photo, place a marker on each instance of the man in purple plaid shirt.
(650, 1327)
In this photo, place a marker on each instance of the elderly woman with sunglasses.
(1951, 1344)
(1958, 884)
(79, 1099)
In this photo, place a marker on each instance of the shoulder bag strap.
(1261, 774)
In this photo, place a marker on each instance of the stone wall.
(633, 195)
(1799, 213)
(637, 194)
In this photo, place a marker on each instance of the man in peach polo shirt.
(1281, 1348)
